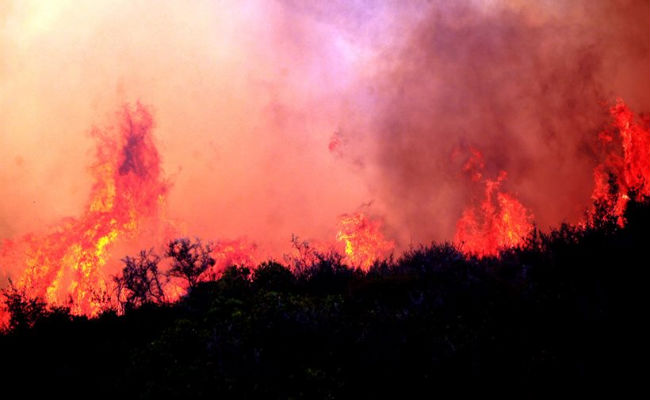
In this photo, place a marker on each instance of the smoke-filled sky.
(247, 95)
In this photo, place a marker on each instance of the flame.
(66, 266)
(500, 221)
(625, 173)
(364, 242)
(227, 253)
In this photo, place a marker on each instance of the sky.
(247, 96)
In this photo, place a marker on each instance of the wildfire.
(231, 252)
(499, 222)
(65, 267)
(625, 173)
(364, 242)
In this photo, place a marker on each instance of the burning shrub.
(624, 175)
(23, 310)
(364, 241)
(69, 261)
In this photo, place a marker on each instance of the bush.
(24, 310)
(273, 276)
(190, 260)
(140, 282)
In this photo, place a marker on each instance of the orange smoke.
(231, 252)
(65, 266)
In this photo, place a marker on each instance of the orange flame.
(500, 221)
(364, 242)
(65, 267)
(623, 176)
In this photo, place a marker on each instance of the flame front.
(66, 266)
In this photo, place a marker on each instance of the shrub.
(140, 282)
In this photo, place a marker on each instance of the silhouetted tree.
(306, 256)
(273, 276)
(24, 310)
(235, 281)
(140, 281)
(189, 259)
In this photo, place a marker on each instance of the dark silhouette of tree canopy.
(273, 276)
(140, 281)
(563, 314)
(235, 281)
(190, 259)
(24, 310)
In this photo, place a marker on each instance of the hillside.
(560, 316)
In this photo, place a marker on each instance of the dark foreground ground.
(562, 318)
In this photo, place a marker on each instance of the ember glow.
(467, 121)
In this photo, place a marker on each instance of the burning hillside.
(474, 123)
(324, 199)
(68, 266)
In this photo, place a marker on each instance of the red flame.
(625, 173)
(65, 266)
(499, 222)
(364, 242)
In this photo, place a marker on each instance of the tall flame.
(65, 266)
(625, 173)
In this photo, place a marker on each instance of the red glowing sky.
(246, 96)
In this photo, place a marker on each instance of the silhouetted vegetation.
(24, 310)
(140, 282)
(560, 317)
(190, 259)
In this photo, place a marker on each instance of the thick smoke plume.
(275, 118)
(527, 84)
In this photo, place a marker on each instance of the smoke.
(246, 96)
(524, 83)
